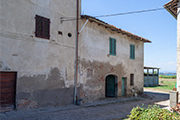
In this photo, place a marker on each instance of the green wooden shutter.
(112, 46)
(132, 52)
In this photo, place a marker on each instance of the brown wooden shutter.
(46, 28)
(38, 26)
(42, 27)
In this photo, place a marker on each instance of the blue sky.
(158, 26)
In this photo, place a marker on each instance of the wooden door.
(110, 86)
(7, 90)
(123, 87)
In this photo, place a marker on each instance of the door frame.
(123, 86)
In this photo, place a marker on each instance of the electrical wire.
(124, 13)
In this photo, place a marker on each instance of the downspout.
(76, 56)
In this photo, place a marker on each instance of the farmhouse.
(111, 60)
(38, 56)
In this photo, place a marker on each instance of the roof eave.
(145, 67)
(170, 12)
(108, 26)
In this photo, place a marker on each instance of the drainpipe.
(76, 57)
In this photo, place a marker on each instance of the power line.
(133, 12)
(124, 13)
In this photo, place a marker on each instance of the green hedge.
(167, 77)
(152, 113)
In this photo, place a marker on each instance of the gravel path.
(95, 111)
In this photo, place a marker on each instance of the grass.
(167, 84)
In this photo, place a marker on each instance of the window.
(131, 79)
(112, 46)
(42, 27)
(132, 52)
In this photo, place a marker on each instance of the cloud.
(171, 62)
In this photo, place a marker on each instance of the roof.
(151, 68)
(113, 28)
(171, 7)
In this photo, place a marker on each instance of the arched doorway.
(111, 86)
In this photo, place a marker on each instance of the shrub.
(152, 113)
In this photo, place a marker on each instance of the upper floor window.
(42, 27)
(112, 46)
(132, 51)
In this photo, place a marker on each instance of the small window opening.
(69, 35)
(60, 33)
(131, 79)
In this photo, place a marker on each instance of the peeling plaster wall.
(178, 50)
(96, 63)
(45, 68)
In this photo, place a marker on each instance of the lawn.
(165, 84)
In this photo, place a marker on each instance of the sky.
(157, 26)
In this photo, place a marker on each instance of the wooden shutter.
(112, 46)
(42, 27)
(132, 51)
(38, 32)
(45, 28)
